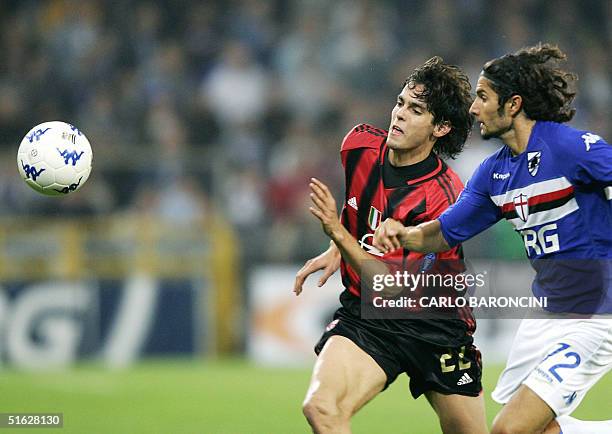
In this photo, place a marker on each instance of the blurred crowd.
(195, 107)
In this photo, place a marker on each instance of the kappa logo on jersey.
(465, 379)
(521, 205)
(533, 162)
(501, 176)
(374, 218)
(352, 202)
(589, 139)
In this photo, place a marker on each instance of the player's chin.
(394, 143)
(487, 134)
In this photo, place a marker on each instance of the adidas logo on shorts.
(465, 379)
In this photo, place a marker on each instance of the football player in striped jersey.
(395, 174)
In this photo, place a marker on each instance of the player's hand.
(387, 237)
(328, 261)
(324, 208)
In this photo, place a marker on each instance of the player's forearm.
(426, 237)
(360, 261)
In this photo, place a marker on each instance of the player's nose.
(400, 115)
(474, 109)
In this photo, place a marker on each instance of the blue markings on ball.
(35, 135)
(31, 171)
(70, 188)
(75, 129)
(70, 155)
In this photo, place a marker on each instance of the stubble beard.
(496, 134)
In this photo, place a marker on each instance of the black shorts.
(448, 370)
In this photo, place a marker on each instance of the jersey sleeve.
(359, 137)
(585, 158)
(473, 212)
(443, 197)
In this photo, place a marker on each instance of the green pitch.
(220, 397)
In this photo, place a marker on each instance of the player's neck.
(517, 137)
(407, 157)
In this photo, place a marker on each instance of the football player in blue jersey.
(554, 184)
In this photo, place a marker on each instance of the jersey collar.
(412, 174)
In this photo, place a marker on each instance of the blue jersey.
(558, 196)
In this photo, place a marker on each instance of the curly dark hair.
(447, 96)
(533, 73)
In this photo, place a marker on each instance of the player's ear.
(514, 104)
(441, 129)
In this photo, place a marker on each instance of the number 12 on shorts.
(568, 355)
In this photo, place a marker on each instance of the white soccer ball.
(54, 158)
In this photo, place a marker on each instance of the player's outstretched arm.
(426, 237)
(328, 261)
(324, 208)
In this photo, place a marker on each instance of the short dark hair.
(533, 73)
(446, 92)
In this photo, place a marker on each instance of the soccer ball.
(54, 158)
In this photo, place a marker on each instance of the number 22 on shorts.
(569, 355)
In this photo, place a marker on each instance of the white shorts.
(558, 359)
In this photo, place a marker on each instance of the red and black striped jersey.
(376, 190)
